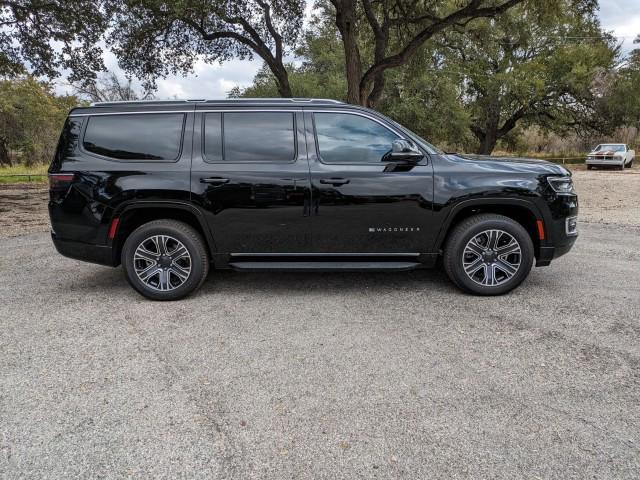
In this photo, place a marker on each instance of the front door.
(250, 175)
(361, 204)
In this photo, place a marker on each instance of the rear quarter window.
(135, 137)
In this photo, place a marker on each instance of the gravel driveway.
(322, 375)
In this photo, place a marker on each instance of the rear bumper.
(100, 254)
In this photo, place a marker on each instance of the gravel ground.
(325, 375)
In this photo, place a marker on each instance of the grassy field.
(570, 158)
(38, 174)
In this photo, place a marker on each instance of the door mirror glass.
(403, 151)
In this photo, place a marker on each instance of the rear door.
(360, 203)
(250, 175)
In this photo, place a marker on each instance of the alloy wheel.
(162, 263)
(491, 257)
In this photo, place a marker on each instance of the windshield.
(610, 148)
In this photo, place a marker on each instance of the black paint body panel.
(287, 208)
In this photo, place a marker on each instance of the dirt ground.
(606, 196)
(23, 209)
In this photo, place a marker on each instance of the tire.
(629, 165)
(621, 167)
(172, 276)
(505, 272)
(589, 167)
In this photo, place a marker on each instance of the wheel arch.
(522, 211)
(133, 215)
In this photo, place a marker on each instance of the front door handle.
(214, 180)
(334, 181)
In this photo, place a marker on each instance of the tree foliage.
(154, 38)
(44, 37)
(108, 87)
(31, 117)
(397, 29)
(531, 66)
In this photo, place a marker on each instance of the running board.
(396, 266)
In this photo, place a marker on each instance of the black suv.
(172, 188)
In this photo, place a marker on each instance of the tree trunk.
(282, 79)
(5, 159)
(346, 23)
(488, 142)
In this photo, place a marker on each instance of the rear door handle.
(214, 180)
(334, 181)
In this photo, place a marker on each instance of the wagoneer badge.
(393, 229)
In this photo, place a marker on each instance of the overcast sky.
(621, 17)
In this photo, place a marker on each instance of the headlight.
(561, 184)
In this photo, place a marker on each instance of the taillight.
(60, 181)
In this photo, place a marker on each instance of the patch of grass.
(567, 159)
(35, 174)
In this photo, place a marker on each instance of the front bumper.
(558, 238)
(100, 254)
(602, 162)
(546, 254)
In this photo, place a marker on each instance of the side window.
(345, 138)
(257, 137)
(147, 136)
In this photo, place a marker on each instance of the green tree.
(44, 37)
(416, 95)
(623, 94)
(526, 67)
(154, 38)
(397, 30)
(31, 117)
(107, 87)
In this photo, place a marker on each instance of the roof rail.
(222, 100)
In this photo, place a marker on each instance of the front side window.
(147, 136)
(249, 137)
(345, 138)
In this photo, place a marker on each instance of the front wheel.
(629, 165)
(165, 260)
(488, 254)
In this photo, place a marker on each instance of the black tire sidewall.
(189, 239)
(458, 244)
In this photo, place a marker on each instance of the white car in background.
(611, 154)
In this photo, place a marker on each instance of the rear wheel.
(165, 260)
(488, 254)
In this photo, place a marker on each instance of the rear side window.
(345, 138)
(146, 136)
(249, 137)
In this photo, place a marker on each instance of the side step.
(333, 266)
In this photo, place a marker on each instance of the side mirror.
(403, 151)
